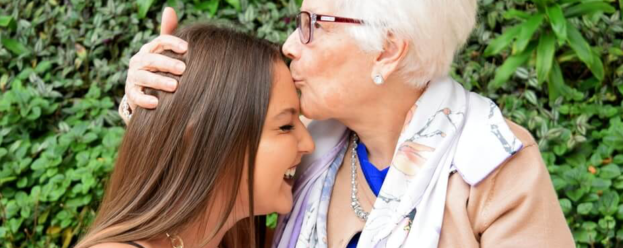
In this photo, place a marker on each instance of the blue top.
(374, 177)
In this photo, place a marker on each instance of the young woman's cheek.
(264, 175)
(275, 155)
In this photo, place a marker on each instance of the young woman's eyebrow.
(290, 111)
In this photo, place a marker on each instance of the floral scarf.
(448, 130)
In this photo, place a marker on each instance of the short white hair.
(435, 30)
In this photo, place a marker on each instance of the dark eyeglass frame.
(315, 18)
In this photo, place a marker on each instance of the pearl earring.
(378, 79)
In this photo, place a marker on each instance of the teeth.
(290, 173)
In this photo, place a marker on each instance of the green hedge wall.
(555, 67)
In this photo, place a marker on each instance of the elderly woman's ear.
(388, 61)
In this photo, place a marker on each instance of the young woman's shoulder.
(113, 245)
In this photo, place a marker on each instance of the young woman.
(224, 147)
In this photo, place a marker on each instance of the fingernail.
(180, 67)
(183, 46)
(153, 101)
(172, 84)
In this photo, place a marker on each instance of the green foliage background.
(555, 67)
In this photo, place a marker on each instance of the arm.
(148, 60)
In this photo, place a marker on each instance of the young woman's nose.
(306, 143)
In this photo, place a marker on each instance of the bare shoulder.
(112, 245)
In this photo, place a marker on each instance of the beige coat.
(515, 206)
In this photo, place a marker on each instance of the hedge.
(554, 67)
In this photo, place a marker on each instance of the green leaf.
(235, 4)
(22, 199)
(589, 8)
(513, 13)
(15, 224)
(610, 171)
(22, 182)
(34, 114)
(607, 223)
(585, 208)
(40, 164)
(14, 46)
(89, 137)
(557, 21)
(568, 1)
(7, 179)
(601, 184)
(597, 67)
(565, 204)
(172, 3)
(576, 195)
(506, 70)
(577, 42)
(271, 220)
(528, 28)
(7, 21)
(541, 4)
(608, 203)
(143, 7)
(211, 6)
(531, 97)
(545, 56)
(3, 152)
(502, 41)
(43, 67)
(11, 209)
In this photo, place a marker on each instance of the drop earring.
(378, 79)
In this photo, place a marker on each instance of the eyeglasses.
(306, 22)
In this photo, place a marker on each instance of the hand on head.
(148, 60)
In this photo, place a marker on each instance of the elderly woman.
(406, 157)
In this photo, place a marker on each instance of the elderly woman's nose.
(291, 48)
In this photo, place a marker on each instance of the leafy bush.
(62, 70)
(556, 67)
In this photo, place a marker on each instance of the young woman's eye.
(286, 128)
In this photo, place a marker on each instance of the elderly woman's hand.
(149, 60)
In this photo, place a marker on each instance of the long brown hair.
(173, 160)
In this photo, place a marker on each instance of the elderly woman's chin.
(321, 108)
(311, 110)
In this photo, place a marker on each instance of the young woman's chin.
(285, 205)
(279, 202)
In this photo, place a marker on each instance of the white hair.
(435, 30)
